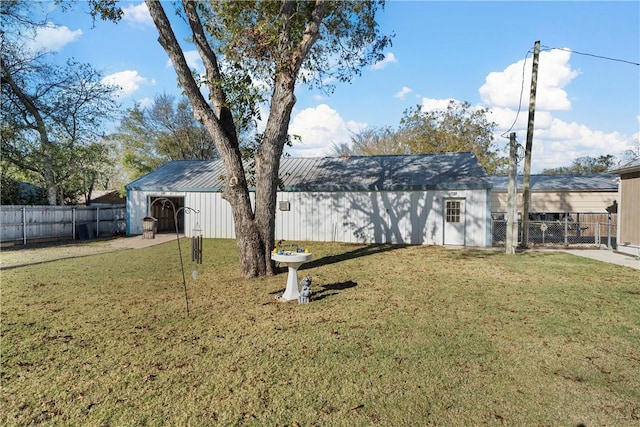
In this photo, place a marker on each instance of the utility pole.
(512, 216)
(526, 191)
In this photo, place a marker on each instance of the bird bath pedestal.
(293, 260)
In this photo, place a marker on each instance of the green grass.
(393, 336)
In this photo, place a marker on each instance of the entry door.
(454, 221)
(164, 214)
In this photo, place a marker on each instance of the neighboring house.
(413, 199)
(581, 197)
(629, 208)
(107, 198)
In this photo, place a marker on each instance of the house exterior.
(440, 199)
(629, 208)
(583, 197)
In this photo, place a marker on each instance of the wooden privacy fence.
(21, 224)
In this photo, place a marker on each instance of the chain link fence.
(559, 234)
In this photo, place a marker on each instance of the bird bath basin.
(293, 260)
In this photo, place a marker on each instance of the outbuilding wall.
(629, 206)
(559, 201)
(409, 217)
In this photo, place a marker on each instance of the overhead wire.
(524, 63)
(547, 48)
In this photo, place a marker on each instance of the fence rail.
(21, 224)
(560, 233)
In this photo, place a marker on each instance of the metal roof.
(447, 171)
(632, 166)
(564, 182)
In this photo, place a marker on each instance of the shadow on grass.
(332, 289)
(356, 253)
(324, 291)
(493, 253)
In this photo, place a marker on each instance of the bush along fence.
(560, 233)
(22, 224)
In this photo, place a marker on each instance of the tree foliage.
(372, 142)
(277, 43)
(52, 115)
(164, 131)
(586, 164)
(458, 128)
(455, 129)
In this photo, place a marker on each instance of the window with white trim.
(452, 211)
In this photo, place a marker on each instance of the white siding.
(355, 217)
(215, 218)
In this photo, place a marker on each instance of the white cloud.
(403, 92)
(145, 102)
(128, 81)
(560, 143)
(429, 104)
(320, 128)
(555, 142)
(389, 58)
(503, 89)
(193, 61)
(137, 16)
(52, 38)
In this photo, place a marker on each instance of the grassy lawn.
(393, 336)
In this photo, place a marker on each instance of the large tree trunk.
(250, 245)
(48, 173)
(268, 163)
(45, 145)
(221, 129)
(254, 229)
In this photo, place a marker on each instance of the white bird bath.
(293, 260)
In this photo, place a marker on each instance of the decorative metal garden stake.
(166, 203)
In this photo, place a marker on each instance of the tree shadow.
(371, 249)
(479, 253)
(332, 289)
(324, 291)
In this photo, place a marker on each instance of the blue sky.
(467, 51)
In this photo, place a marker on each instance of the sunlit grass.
(393, 336)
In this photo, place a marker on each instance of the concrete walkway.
(606, 255)
(137, 242)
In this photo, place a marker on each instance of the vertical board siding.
(400, 217)
(558, 201)
(629, 207)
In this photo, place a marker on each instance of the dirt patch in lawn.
(19, 255)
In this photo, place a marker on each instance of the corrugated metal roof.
(632, 166)
(448, 171)
(583, 182)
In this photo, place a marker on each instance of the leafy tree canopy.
(586, 164)
(455, 129)
(52, 116)
(164, 131)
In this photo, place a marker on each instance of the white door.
(454, 221)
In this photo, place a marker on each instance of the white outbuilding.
(434, 199)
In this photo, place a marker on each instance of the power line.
(524, 63)
(547, 48)
(592, 55)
